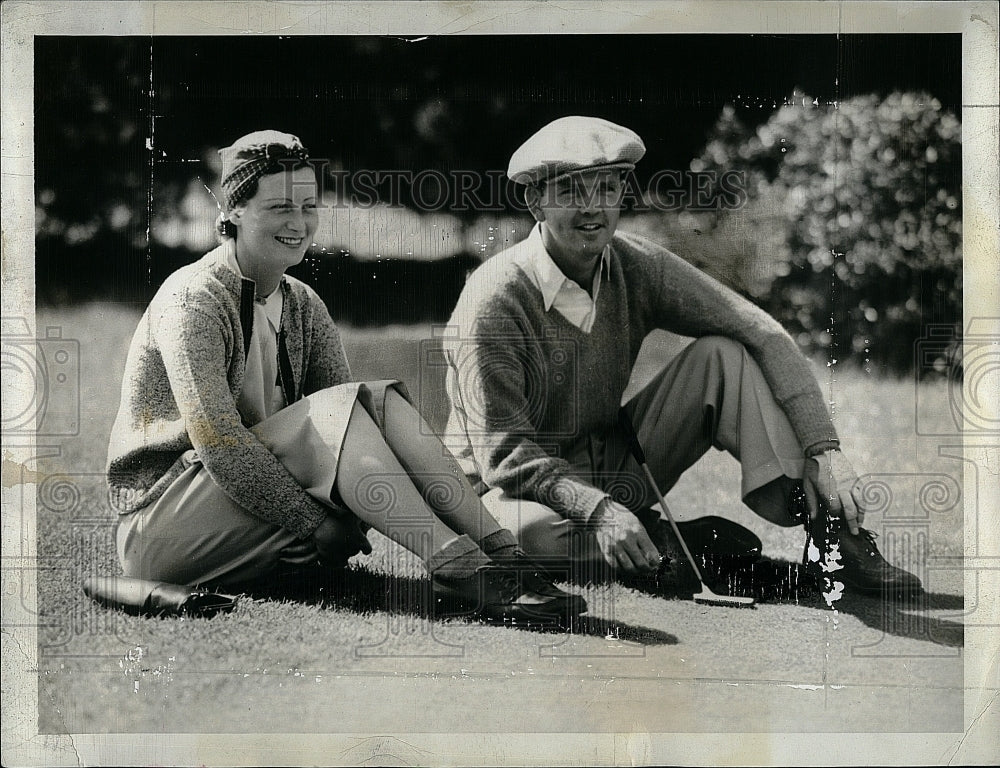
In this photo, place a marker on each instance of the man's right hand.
(623, 540)
(338, 539)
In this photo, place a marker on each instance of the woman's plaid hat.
(251, 156)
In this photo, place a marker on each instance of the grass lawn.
(339, 661)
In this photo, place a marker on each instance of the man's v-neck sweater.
(526, 385)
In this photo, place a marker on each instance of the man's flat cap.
(573, 144)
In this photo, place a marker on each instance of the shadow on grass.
(907, 618)
(779, 581)
(363, 591)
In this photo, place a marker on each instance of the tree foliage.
(850, 231)
(856, 217)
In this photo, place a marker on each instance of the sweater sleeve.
(491, 392)
(327, 364)
(194, 352)
(685, 300)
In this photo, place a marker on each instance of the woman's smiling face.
(277, 225)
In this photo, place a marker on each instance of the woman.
(241, 443)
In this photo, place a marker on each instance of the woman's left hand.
(300, 553)
(338, 539)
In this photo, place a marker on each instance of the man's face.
(579, 213)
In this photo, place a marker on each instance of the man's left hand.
(830, 483)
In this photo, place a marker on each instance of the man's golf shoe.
(718, 545)
(834, 553)
(725, 552)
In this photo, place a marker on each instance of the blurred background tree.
(854, 220)
(92, 167)
(849, 231)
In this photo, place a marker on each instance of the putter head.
(708, 597)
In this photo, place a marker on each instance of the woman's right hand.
(338, 539)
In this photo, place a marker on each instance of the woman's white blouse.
(262, 395)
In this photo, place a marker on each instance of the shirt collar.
(548, 277)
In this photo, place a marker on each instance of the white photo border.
(978, 24)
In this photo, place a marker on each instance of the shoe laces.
(505, 582)
(533, 576)
(868, 537)
(865, 541)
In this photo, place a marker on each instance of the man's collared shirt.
(566, 296)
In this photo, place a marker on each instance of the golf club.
(706, 595)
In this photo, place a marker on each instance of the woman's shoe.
(513, 593)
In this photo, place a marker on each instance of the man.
(542, 345)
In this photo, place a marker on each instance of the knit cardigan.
(183, 376)
(526, 385)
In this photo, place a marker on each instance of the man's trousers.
(712, 395)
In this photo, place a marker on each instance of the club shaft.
(673, 524)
